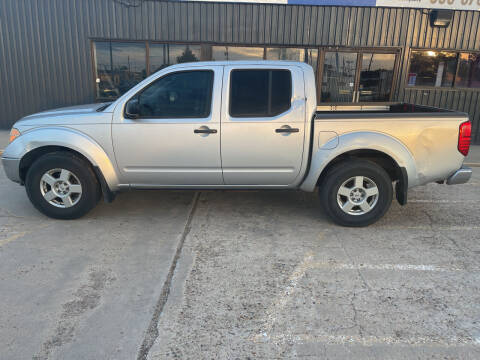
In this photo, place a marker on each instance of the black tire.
(81, 170)
(331, 200)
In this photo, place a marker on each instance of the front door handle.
(205, 130)
(286, 129)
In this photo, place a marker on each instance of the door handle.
(284, 130)
(205, 130)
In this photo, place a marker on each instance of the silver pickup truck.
(236, 125)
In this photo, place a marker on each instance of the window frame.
(169, 117)
(359, 50)
(170, 42)
(439, 88)
(94, 65)
(250, 116)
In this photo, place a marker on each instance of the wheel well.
(383, 160)
(33, 155)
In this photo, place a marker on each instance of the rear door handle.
(205, 130)
(287, 130)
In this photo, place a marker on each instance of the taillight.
(464, 137)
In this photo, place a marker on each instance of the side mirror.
(132, 109)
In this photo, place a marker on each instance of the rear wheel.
(62, 185)
(356, 193)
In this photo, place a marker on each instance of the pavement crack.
(353, 262)
(152, 332)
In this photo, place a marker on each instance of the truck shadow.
(283, 206)
(442, 208)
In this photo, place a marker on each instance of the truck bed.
(430, 135)
(393, 108)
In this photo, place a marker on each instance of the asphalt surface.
(224, 275)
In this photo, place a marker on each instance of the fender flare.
(359, 140)
(68, 138)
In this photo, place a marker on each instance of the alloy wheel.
(358, 195)
(61, 188)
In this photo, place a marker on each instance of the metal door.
(263, 150)
(172, 151)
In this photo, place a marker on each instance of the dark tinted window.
(281, 91)
(186, 94)
(260, 93)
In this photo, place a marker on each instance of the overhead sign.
(432, 4)
(417, 4)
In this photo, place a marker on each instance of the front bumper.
(461, 176)
(12, 169)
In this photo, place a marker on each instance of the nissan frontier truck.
(236, 125)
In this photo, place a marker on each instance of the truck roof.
(242, 62)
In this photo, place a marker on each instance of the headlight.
(14, 133)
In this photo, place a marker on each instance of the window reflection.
(185, 94)
(163, 55)
(376, 77)
(119, 67)
(309, 56)
(432, 68)
(220, 53)
(312, 59)
(338, 79)
(468, 71)
(291, 54)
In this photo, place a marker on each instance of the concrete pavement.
(84, 289)
(264, 275)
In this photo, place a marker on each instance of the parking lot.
(160, 275)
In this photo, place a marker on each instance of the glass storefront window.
(376, 77)
(338, 80)
(310, 56)
(163, 55)
(118, 66)
(432, 68)
(468, 71)
(291, 54)
(220, 53)
(312, 59)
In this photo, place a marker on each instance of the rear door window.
(260, 93)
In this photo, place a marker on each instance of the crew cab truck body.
(235, 125)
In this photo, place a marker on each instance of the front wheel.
(356, 193)
(62, 185)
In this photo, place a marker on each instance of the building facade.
(63, 52)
